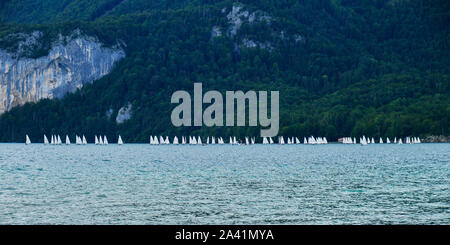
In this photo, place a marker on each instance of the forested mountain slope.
(343, 68)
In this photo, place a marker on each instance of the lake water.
(259, 184)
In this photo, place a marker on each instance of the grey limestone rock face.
(124, 114)
(71, 62)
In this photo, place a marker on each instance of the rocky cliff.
(71, 62)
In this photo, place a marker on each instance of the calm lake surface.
(259, 184)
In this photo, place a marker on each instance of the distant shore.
(436, 139)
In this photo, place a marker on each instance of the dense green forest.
(343, 67)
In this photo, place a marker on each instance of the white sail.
(246, 141)
(265, 142)
(67, 140)
(199, 141)
(155, 140)
(213, 140)
(395, 140)
(363, 141)
(52, 140)
(45, 140)
(175, 140)
(253, 140)
(27, 140)
(388, 141)
(381, 141)
(235, 142)
(105, 140)
(59, 140)
(120, 141)
(400, 141)
(373, 141)
(96, 140)
(85, 142)
(270, 140)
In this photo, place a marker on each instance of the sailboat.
(207, 140)
(270, 140)
(96, 140)
(175, 140)
(253, 140)
(265, 142)
(199, 141)
(59, 140)
(387, 140)
(363, 141)
(246, 141)
(213, 140)
(105, 140)
(120, 141)
(235, 142)
(400, 141)
(373, 141)
(85, 142)
(67, 140)
(45, 140)
(27, 140)
(381, 140)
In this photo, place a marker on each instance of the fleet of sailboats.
(212, 140)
